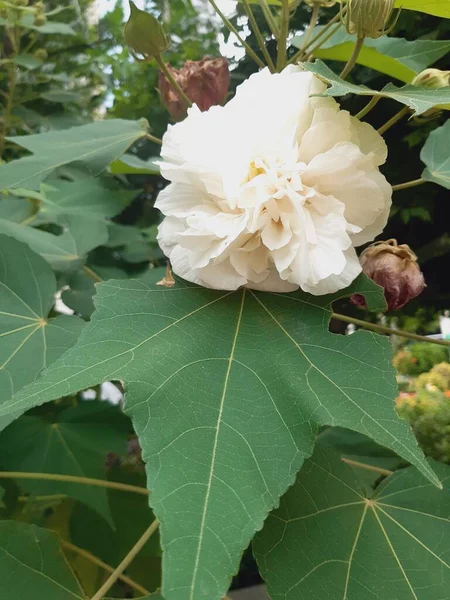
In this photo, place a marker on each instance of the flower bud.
(39, 19)
(40, 53)
(395, 269)
(432, 78)
(205, 83)
(367, 18)
(144, 34)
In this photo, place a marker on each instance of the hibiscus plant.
(257, 425)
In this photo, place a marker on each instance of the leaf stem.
(352, 60)
(310, 28)
(282, 38)
(408, 184)
(364, 111)
(97, 561)
(153, 138)
(359, 465)
(115, 485)
(171, 79)
(269, 18)
(92, 274)
(126, 561)
(382, 329)
(393, 120)
(298, 55)
(233, 30)
(258, 35)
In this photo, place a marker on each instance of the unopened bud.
(144, 34)
(367, 18)
(205, 83)
(40, 53)
(395, 269)
(432, 78)
(40, 19)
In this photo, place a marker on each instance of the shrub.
(419, 358)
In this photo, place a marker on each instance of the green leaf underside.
(419, 99)
(396, 57)
(331, 540)
(129, 164)
(27, 287)
(32, 565)
(65, 252)
(224, 426)
(75, 443)
(95, 146)
(435, 154)
(88, 198)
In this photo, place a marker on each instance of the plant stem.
(298, 55)
(49, 498)
(97, 561)
(399, 115)
(382, 329)
(154, 139)
(282, 39)
(12, 81)
(126, 561)
(258, 35)
(233, 30)
(352, 60)
(269, 18)
(359, 465)
(92, 274)
(115, 485)
(408, 184)
(170, 78)
(310, 28)
(364, 111)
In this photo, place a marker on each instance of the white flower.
(272, 191)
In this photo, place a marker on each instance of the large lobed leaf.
(332, 539)
(436, 156)
(419, 99)
(29, 340)
(94, 146)
(396, 57)
(74, 442)
(226, 391)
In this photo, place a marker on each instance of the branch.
(382, 329)
(126, 561)
(115, 485)
(97, 561)
(282, 39)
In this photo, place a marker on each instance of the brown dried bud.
(395, 269)
(367, 18)
(205, 83)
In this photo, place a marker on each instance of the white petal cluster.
(272, 191)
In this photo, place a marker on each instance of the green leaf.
(28, 61)
(419, 99)
(30, 342)
(52, 27)
(88, 198)
(79, 296)
(15, 209)
(330, 539)
(436, 156)
(75, 442)
(95, 146)
(206, 397)
(129, 164)
(65, 252)
(32, 565)
(62, 96)
(396, 57)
